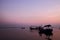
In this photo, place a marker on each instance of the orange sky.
(32, 11)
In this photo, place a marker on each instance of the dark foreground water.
(26, 34)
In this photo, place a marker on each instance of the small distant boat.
(22, 27)
(33, 28)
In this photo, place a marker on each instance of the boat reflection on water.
(48, 35)
(46, 30)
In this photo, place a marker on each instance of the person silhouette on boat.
(40, 30)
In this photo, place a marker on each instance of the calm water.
(26, 34)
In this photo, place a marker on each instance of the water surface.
(26, 34)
